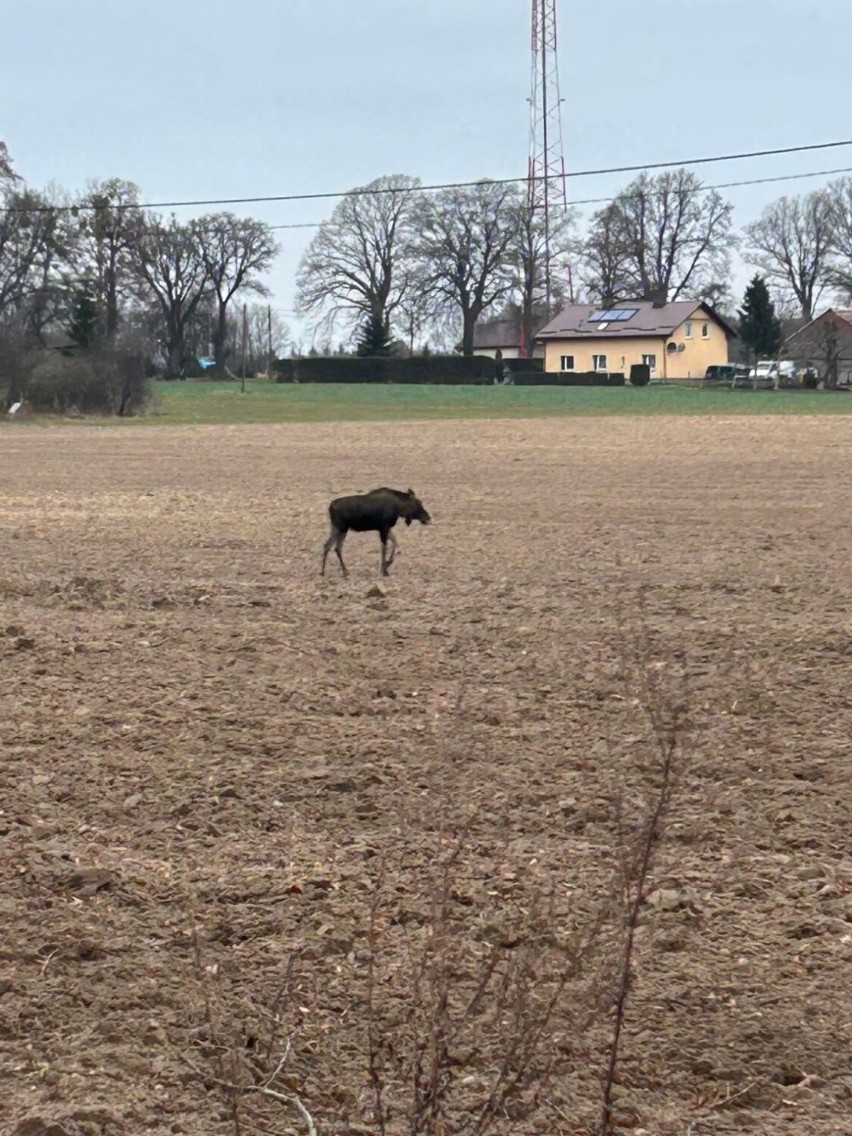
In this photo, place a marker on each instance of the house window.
(687, 331)
(566, 363)
(705, 331)
(651, 361)
(599, 362)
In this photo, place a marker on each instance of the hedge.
(437, 369)
(525, 365)
(455, 369)
(569, 379)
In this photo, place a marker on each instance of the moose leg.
(334, 541)
(338, 547)
(390, 559)
(326, 548)
(384, 534)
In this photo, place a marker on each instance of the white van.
(774, 372)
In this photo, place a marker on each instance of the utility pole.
(244, 345)
(269, 337)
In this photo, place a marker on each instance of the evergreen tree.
(83, 325)
(374, 339)
(760, 328)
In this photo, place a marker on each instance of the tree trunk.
(220, 338)
(111, 307)
(528, 327)
(174, 355)
(467, 333)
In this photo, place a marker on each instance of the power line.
(365, 191)
(609, 200)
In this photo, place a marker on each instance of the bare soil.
(225, 781)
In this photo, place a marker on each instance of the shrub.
(16, 359)
(640, 374)
(109, 381)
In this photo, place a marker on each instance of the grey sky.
(205, 99)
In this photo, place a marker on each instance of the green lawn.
(213, 402)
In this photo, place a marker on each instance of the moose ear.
(411, 493)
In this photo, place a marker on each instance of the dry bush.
(17, 359)
(110, 380)
(658, 689)
(474, 1013)
(475, 1002)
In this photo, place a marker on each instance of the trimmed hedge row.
(569, 379)
(525, 365)
(438, 369)
(447, 369)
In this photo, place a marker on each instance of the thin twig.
(286, 1098)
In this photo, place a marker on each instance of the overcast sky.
(205, 99)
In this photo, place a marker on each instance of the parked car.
(774, 373)
(726, 373)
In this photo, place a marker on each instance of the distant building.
(504, 336)
(678, 340)
(825, 344)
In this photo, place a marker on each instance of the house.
(825, 344)
(504, 336)
(679, 340)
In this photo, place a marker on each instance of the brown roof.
(812, 334)
(844, 314)
(573, 322)
(498, 333)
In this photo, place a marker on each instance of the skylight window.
(605, 315)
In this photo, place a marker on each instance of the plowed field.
(256, 825)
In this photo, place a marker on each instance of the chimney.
(659, 298)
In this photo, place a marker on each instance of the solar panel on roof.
(616, 314)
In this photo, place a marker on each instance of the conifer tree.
(374, 339)
(760, 328)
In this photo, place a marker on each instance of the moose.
(376, 511)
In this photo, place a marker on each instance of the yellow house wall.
(620, 353)
(698, 352)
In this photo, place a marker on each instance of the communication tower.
(546, 182)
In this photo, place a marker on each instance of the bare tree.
(235, 250)
(47, 296)
(110, 224)
(839, 275)
(604, 272)
(29, 242)
(531, 253)
(360, 265)
(717, 294)
(7, 173)
(468, 249)
(266, 335)
(170, 268)
(791, 243)
(663, 236)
